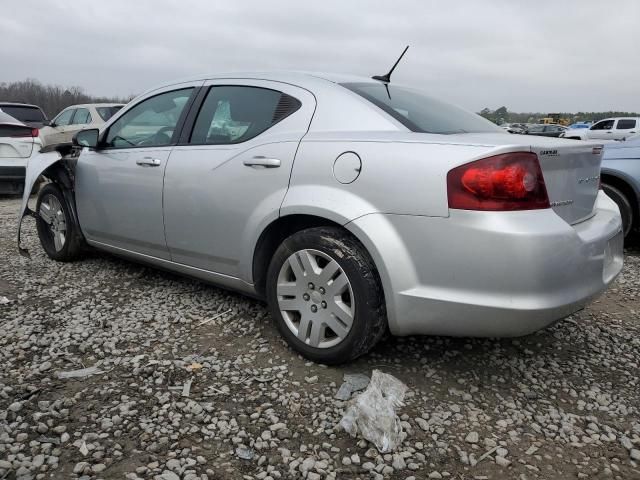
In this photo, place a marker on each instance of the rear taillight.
(510, 181)
(25, 132)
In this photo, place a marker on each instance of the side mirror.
(87, 138)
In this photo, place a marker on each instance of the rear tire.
(59, 236)
(325, 295)
(626, 210)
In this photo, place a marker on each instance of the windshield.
(421, 113)
(107, 112)
(24, 114)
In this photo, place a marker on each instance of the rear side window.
(107, 112)
(81, 117)
(419, 112)
(235, 114)
(24, 114)
(626, 124)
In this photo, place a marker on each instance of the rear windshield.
(107, 112)
(24, 114)
(419, 112)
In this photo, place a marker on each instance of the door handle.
(148, 162)
(263, 162)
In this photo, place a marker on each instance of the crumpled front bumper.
(490, 273)
(37, 164)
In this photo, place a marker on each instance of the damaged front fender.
(43, 164)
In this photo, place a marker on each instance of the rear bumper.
(11, 179)
(491, 273)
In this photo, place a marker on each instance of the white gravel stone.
(472, 437)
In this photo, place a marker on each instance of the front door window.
(151, 123)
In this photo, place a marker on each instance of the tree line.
(51, 98)
(503, 115)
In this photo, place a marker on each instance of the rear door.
(119, 186)
(228, 177)
(625, 127)
(55, 132)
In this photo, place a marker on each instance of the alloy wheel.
(53, 215)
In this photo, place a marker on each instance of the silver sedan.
(352, 206)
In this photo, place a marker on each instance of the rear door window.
(626, 124)
(81, 117)
(236, 113)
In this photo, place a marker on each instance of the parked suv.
(30, 115)
(74, 118)
(607, 129)
(18, 143)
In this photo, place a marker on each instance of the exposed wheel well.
(628, 191)
(273, 236)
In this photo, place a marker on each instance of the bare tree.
(51, 98)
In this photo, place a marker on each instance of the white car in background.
(18, 142)
(75, 118)
(607, 129)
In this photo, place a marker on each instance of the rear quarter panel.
(397, 177)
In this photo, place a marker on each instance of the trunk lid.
(572, 177)
(571, 168)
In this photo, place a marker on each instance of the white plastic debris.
(4, 301)
(81, 373)
(373, 412)
(353, 382)
(245, 453)
(186, 388)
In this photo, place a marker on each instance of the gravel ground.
(563, 403)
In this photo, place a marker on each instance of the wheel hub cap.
(315, 298)
(53, 215)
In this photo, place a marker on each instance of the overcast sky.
(530, 55)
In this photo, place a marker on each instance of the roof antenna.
(387, 78)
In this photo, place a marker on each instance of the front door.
(229, 177)
(54, 133)
(600, 130)
(119, 185)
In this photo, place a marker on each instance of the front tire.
(626, 211)
(59, 236)
(325, 295)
